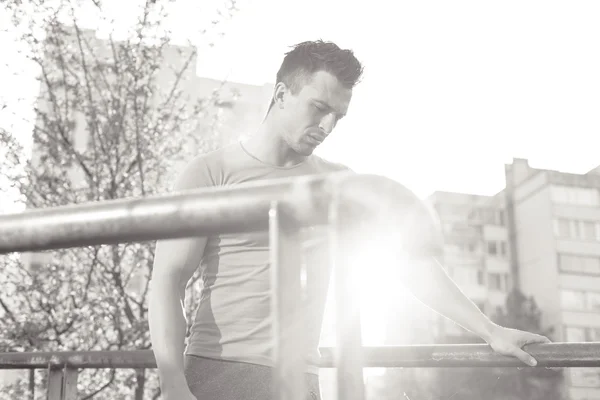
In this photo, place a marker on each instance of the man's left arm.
(427, 280)
(422, 243)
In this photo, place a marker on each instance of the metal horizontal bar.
(239, 208)
(78, 359)
(428, 356)
(201, 212)
(472, 355)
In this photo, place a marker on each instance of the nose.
(327, 123)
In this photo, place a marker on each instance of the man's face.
(310, 115)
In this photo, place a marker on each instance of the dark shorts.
(211, 379)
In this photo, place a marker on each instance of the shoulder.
(204, 169)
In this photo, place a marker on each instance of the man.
(228, 351)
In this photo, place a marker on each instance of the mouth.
(315, 140)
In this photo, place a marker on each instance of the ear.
(280, 94)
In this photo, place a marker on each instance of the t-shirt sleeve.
(196, 174)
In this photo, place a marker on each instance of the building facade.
(556, 218)
(540, 234)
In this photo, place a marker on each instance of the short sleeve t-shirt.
(233, 317)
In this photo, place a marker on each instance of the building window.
(501, 215)
(594, 334)
(593, 301)
(575, 196)
(494, 281)
(582, 334)
(588, 229)
(492, 248)
(571, 263)
(472, 247)
(503, 249)
(498, 281)
(497, 248)
(480, 277)
(576, 229)
(571, 300)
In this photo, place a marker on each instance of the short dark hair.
(306, 58)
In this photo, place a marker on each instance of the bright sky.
(452, 90)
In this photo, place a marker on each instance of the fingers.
(525, 357)
(532, 339)
(538, 339)
(545, 340)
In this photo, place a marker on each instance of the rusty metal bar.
(423, 356)
(287, 306)
(201, 212)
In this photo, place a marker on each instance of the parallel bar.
(471, 355)
(78, 359)
(348, 355)
(55, 384)
(69, 389)
(426, 356)
(32, 384)
(201, 212)
(287, 306)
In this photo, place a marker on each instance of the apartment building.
(556, 219)
(541, 234)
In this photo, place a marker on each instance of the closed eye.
(320, 109)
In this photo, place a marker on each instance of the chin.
(305, 151)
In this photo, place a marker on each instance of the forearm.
(167, 331)
(428, 281)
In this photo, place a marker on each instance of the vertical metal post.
(62, 383)
(348, 350)
(287, 304)
(69, 389)
(32, 384)
(55, 381)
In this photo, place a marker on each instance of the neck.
(268, 146)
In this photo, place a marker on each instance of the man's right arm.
(175, 261)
